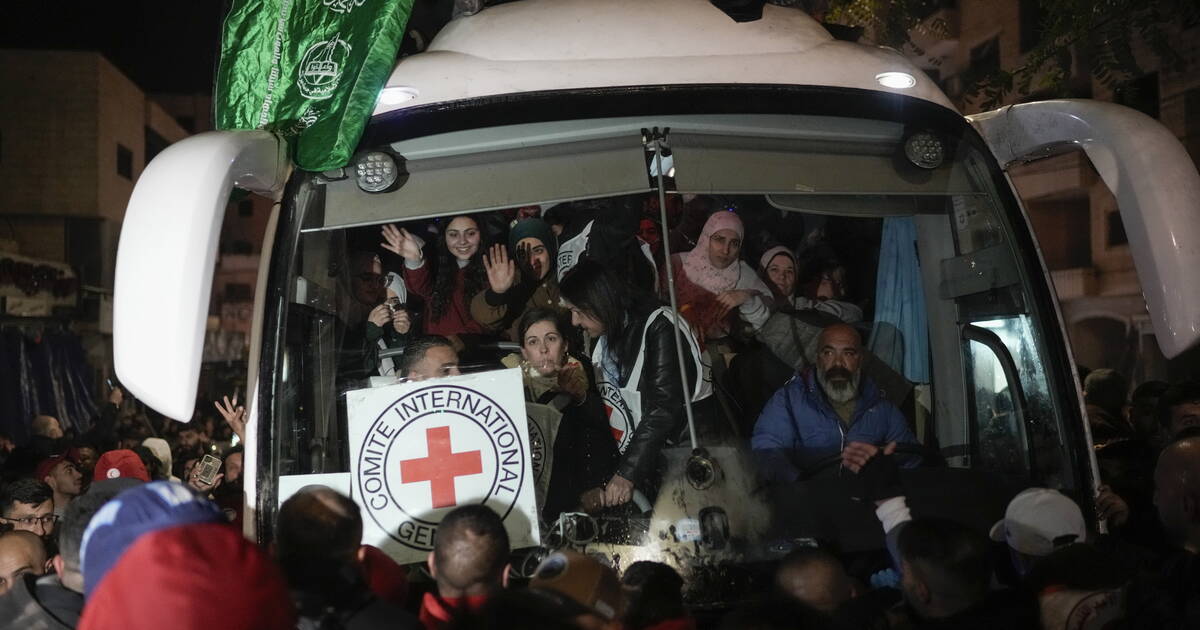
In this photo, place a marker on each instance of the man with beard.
(824, 410)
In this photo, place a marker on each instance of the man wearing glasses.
(28, 505)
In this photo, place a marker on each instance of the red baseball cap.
(47, 465)
(120, 463)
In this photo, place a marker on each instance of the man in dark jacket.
(822, 411)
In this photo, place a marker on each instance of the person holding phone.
(387, 322)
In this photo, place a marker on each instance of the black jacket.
(664, 420)
(585, 452)
(1169, 599)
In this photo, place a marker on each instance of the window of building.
(1116, 230)
(1140, 94)
(187, 122)
(245, 208)
(238, 292)
(124, 162)
(928, 7)
(154, 144)
(1031, 24)
(985, 58)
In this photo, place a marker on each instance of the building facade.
(1073, 213)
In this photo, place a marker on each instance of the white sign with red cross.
(420, 449)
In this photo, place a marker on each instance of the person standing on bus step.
(711, 281)
(519, 278)
(638, 374)
(824, 410)
(459, 274)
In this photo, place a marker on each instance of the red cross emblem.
(441, 467)
(617, 433)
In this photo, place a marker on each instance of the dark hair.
(540, 314)
(470, 547)
(415, 350)
(950, 558)
(1178, 394)
(593, 289)
(655, 594)
(25, 490)
(75, 520)
(475, 276)
(317, 534)
(1149, 391)
(153, 464)
(1106, 389)
(1076, 566)
(808, 279)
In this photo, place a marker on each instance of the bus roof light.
(397, 95)
(924, 150)
(375, 171)
(896, 80)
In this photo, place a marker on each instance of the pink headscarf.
(696, 264)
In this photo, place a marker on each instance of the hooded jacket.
(798, 426)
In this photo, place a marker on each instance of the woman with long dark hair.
(456, 278)
(637, 372)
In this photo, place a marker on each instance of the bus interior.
(924, 236)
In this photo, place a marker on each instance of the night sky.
(162, 45)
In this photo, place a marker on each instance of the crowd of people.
(136, 522)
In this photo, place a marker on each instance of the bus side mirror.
(167, 253)
(1153, 179)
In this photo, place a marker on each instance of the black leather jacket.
(664, 420)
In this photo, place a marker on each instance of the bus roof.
(540, 45)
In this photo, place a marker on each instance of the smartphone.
(207, 469)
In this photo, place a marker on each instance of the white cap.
(1040, 520)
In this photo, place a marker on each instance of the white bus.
(545, 102)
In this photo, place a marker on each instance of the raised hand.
(235, 416)
(501, 270)
(400, 242)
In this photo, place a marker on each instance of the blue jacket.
(798, 427)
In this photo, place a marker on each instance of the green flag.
(310, 70)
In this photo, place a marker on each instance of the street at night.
(600, 314)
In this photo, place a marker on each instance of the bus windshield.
(702, 312)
